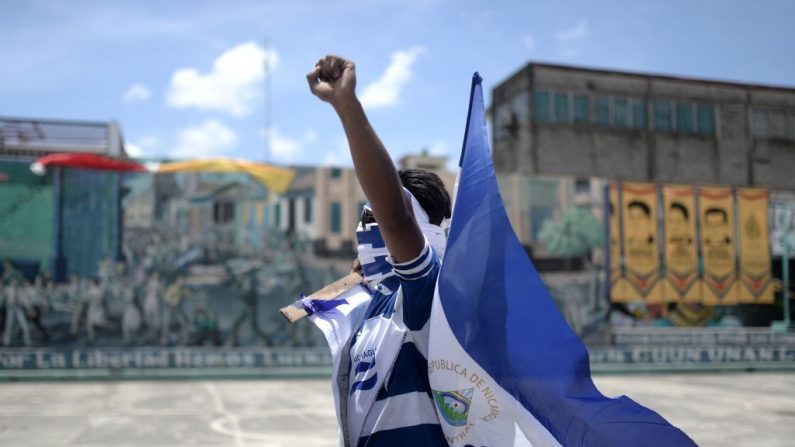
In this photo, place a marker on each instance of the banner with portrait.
(756, 281)
(618, 282)
(640, 241)
(717, 238)
(681, 246)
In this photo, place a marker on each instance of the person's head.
(427, 192)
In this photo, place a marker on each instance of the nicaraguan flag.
(504, 366)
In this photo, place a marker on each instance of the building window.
(307, 210)
(561, 108)
(621, 112)
(502, 121)
(684, 117)
(223, 212)
(277, 215)
(581, 109)
(602, 111)
(706, 119)
(519, 106)
(582, 186)
(336, 173)
(541, 107)
(638, 114)
(791, 125)
(336, 218)
(759, 123)
(778, 124)
(662, 115)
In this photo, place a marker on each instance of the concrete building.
(558, 130)
(554, 119)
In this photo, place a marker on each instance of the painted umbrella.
(85, 161)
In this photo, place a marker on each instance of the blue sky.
(186, 78)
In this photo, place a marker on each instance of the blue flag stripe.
(503, 316)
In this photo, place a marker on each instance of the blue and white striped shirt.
(400, 411)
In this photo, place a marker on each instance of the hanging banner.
(756, 280)
(641, 249)
(681, 248)
(716, 211)
(618, 282)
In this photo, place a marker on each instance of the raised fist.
(333, 79)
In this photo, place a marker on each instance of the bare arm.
(334, 80)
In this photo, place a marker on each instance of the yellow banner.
(716, 212)
(618, 284)
(641, 249)
(756, 281)
(681, 247)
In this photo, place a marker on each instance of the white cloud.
(142, 147)
(572, 34)
(439, 148)
(529, 42)
(287, 149)
(570, 39)
(385, 91)
(137, 92)
(234, 85)
(339, 156)
(133, 150)
(210, 139)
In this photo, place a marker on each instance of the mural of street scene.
(166, 293)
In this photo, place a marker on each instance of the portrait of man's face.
(678, 225)
(639, 225)
(716, 228)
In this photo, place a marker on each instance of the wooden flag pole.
(295, 311)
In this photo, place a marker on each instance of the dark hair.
(720, 211)
(429, 191)
(680, 207)
(641, 205)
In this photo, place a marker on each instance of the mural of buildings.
(68, 219)
(324, 204)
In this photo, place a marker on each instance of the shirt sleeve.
(418, 282)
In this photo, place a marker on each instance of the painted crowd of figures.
(157, 298)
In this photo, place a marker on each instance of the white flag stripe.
(494, 413)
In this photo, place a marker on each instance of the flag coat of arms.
(504, 366)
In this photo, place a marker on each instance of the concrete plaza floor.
(753, 409)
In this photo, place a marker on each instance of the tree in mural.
(573, 236)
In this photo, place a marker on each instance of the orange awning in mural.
(275, 178)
